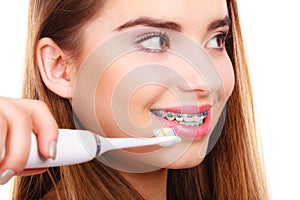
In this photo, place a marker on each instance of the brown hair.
(232, 170)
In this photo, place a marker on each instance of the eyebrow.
(150, 22)
(159, 23)
(219, 23)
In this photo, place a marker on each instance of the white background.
(272, 33)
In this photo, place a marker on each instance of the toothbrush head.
(169, 134)
(169, 141)
(164, 132)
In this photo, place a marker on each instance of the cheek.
(140, 102)
(105, 109)
(226, 73)
(127, 101)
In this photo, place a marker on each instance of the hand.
(18, 119)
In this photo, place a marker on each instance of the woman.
(61, 36)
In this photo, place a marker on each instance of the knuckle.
(24, 119)
(44, 107)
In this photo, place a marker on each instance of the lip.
(198, 132)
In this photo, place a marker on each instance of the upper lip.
(192, 109)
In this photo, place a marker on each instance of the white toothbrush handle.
(73, 147)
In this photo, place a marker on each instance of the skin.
(18, 118)
(189, 14)
(59, 76)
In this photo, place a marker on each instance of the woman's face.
(203, 21)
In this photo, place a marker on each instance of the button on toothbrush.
(78, 146)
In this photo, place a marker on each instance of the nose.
(193, 82)
(202, 80)
(195, 67)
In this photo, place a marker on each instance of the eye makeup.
(153, 42)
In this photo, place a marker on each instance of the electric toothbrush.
(78, 146)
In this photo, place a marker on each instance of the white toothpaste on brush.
(78, 146)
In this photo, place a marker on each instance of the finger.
(17, 144)
(3, 131)
(30, 172)
(44, 126)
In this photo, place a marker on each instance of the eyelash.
(225, 36)
(162, 35)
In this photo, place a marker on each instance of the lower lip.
(191, 132)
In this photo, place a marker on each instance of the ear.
(55, 67)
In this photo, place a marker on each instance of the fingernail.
(52, 149)
(6, 176)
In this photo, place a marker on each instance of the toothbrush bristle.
(164, 132)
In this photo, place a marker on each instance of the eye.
(217, 42)
(154, 42)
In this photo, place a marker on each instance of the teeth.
(187, 119)
(170, 116)
(184, 123)
(200, 121)
(194, 124)
(161, 113)
(179, 117)
(199, 117)
(190, 123)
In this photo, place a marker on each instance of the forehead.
(186, 12)
(192, 15)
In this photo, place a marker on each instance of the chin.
(185, 164)
(191, 158)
